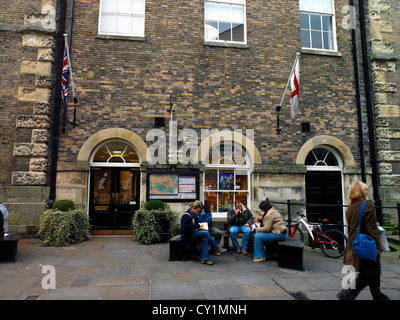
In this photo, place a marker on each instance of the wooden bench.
(8, 247)
(226, 238)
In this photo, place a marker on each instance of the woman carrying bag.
(369, 271)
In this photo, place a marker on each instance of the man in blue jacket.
(206, 216)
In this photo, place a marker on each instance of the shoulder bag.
(364, 245)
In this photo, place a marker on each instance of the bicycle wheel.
(338, 247)
(298, 235)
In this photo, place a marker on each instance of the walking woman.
(190, 233)
(369, 271)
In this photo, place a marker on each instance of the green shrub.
(145, 226)
(154, 205)
(64, 205)
(61, 228)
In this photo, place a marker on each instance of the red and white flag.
(295, 85)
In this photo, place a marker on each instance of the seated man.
(206, 216)
(240, 219)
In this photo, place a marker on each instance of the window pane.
(226, 180)
(304, 21)
(102, 187)
(108, 5)
(315, 5)
(241, 180)
(225, 201)
(225, 31)
(305, 39)
(305, 5)
(123, 25)
(210, 200)
(138, 7)
(242, 197)
(124, 6)
(237, 14)
(211, 34)
(238, 154)
(211, 11)
(137, 26)
(107, 22)
(316, 39)
(225, 12)
(210, 180)
(315, 20)
(327, 6)
(328, 41)
(326, 23)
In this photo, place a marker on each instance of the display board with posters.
(173, 186)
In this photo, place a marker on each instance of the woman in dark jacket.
(190, 233)
(369, 271)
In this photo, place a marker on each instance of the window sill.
(226, 44)
(117, 37)
(321, 52)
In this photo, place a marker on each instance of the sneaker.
(259, 259)
(244, 252)
(238, 251)
(219, 251)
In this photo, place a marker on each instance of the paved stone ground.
(118, 268)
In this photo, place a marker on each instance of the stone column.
(382, 18)
(38, 33)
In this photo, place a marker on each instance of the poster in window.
(102, 187)
(226, 181)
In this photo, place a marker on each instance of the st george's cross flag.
(295, 85)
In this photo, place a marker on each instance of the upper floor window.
(317, 24)
(225, 21)
(122, 17)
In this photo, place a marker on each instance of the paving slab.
(118, 268)
(177, 290)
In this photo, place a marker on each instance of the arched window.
(226, 178)
(322, 157)
(115, 153)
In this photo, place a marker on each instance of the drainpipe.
(71, 21)
(55, 115)
(358, 100)
(370, 112)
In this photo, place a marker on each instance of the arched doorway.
(114, 194)
(324, 186)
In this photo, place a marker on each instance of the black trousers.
(363, 280)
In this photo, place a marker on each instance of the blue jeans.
(234, 230)
(260, 238)
(205, 238)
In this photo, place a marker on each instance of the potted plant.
(154, 222)
(63, 225)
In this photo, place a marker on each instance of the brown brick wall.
(127, 83)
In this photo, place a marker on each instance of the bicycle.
(332, 242)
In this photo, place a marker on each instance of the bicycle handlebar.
(300, 214)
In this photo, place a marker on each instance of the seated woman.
(190, 233)
(272, 229)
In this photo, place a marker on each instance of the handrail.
(339, 206)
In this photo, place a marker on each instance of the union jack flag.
(64, 80)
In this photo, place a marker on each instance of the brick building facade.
(225, 63)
